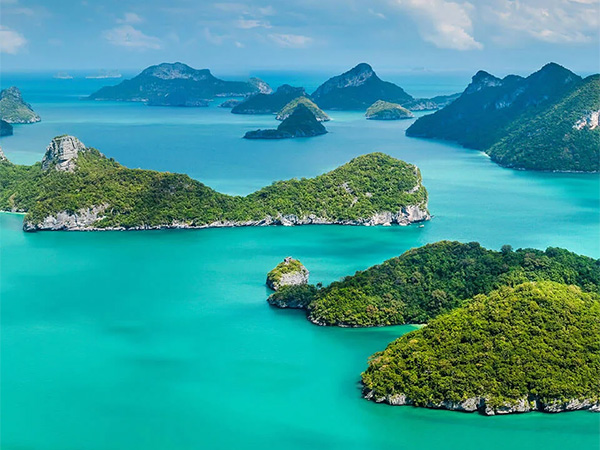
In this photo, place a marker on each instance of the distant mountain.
(357, 89)
(478, 117)
(288, 109)
(300, 123)
(13, 109)
(564, 136)
(269, 103)
(176, 84)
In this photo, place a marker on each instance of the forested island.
(77, 188)
(269, 103)
(535, 346)
(382, 110)
(428, 281)
(547, 121)
(13, 109)
(288, 109)
(178, 84)
(300, 123)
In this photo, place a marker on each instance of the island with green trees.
(428, 281)
(177, 84)
(13, 109)
(300, 123)
(547, 121)
(288, 109)
(531, 347)
(382, 110)
(289, 272)
(270, 103)
(78, 188)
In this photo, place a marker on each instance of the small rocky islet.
(300, 123)
(382, 110)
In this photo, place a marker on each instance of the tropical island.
(357, 89)
(300, 123)
(13, 109)
(542, 122)
(289, 272)
(532, 347)
(426, 282)
(382, 110)
(177, 84)
(288, 109)
(78, 188)
(269, 103)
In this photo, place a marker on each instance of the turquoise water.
(163, 339)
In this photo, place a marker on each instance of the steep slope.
(13, 109)
(288, 109)
(269, 103)
(357, 89)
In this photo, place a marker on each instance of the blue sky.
(501, 36)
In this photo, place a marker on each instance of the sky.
(501, 36)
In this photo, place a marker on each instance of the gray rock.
(62, 153)
(287, 274)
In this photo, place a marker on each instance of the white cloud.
(238, 44)
(446, 24)
(376, 13)
(555, 21)
(131, 18)
(215, 39)
(11, 41)
(128, 36)
(290, 40)
(247, 24)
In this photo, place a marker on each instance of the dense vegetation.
(288, 109)
(13, 109)
(289, 266)
(538, 341)
(144, 198)
(382, 110)
(431, 280)
(175, 85)
(522, 122)
(300, 123)
(549, 140)
(269, 103)
(293, 296)
(357, 89)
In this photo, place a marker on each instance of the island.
(269, 103)
(289, 272)
(6, 129)
(75, 187)
(524, 123)
(301, 123)
(357, 89)
(382, 110)
(428, 104)
(176, 84)
(230, 103)
(13, 109)
(432, 280)
(288, 109)
(531, 347)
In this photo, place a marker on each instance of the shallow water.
(163, 339)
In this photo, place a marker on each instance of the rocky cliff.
(289, 272)
(13, 109)
(61, 154)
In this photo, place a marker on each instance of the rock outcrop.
(589, 121)
(61, 153)
(2, 156)
(289, 272)
(13, 109)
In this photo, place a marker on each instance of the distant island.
(547, 121)
(231, 103)
(177, 84)
(63, 76)
(288, 109)
(357, 89)
(105, 74)
(382, 110)
(532, 347)
(269, 103)
(429, 281)
(77, 188)
(13, 109)
(300, 123)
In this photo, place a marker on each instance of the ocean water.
(163, 339)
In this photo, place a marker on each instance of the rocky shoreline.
(84, 219)
(480, 404)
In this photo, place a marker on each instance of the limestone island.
(13, 109)
(546, 121)
(177, 84)
(289, 272)
(288, 109)
(429, 281)
(357, 89)
(301, 123)
(269, 103)
(532, 347)
(75, 187)
(382, 110)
